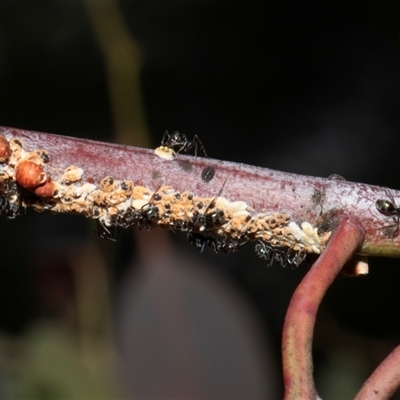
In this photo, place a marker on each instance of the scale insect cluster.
(118, 205)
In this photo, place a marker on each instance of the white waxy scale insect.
(164, 152)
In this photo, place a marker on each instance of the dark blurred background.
(295, 86)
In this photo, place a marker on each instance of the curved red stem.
(300, 318)
(385, 379)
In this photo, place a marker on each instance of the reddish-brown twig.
(318, 201)
(385, 379)
(300, 318)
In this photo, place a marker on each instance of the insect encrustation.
(179, 142)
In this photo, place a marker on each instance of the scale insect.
(389, 209)
(179, 143)
(207, 174)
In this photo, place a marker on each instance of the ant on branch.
(106, 232)
(218, 244)
(203, 222)
(390, 209)
(207, 221)
(179, 142)
(282, 256)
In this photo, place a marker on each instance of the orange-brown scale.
(47, 190)
(72, 174)
(139, 192)
(108, 184)
(29, 175)
(5, 150)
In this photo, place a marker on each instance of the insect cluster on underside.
(119, 205)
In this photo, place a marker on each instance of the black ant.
(224, 245)
(390, 209)
(207, 221)
(10, 209)
(282, 257)
(295, 258)
(128, 219)
(149, 215)
(179, 142)
(198, 241)
(150, 212)
(106, 232)
(265, 252)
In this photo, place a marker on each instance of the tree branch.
(278, 208)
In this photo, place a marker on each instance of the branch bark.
(322, 203)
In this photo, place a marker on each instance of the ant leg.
(197, 142)
(165, 138)
(197, 240)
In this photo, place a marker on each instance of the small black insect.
(179, 142)
(207, 174)
(218, 244)
(226, 245)
(284, 257)
(389, 208)
(265, 252)
(295, 258)
(150, 214)
(10, 209)
(207, 221)
(128, 219)
(180, 225)
(106, 232)
(198, 241)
